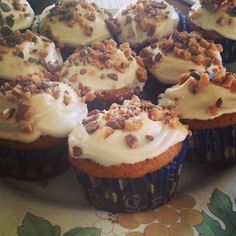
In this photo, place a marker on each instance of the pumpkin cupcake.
(35, 120)
(216, 21)
(129, 157)
(104, 73)
(15, 15)
(176, 54)
(71, 23)
(27, 53)
(144, 22)
(206, 102)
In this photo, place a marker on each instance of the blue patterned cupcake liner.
(132, 195)
(37, 164)
(214, 145)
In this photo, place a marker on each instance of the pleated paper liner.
(132, 195)
(34, 164)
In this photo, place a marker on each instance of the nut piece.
(141, 74)
(133, 124)
(155, 114)
(77, 151)
(106, 132)
(131, 140)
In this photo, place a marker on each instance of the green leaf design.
(89, 231)
(37, 226)
(221, 206)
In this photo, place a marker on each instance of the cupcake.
(128, 158)
(15, 15)
(176, 54)
(27, 53)
(206, 102)
(216, 21)
(104, 73)
(71, 23)
(144, 22)
(35, 120)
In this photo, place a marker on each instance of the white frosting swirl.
(114, 151)
(37, 55)
(51, 116)
(195, 106)
(208, 20)
(166, 22)
(21, 13)
(74, 35)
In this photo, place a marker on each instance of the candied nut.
(131, 140)
(219, 102)
(157, 57)
(67, 99)
(228, 81)
(139, 60)
(88, 31)
(90, 96)
(92, 126)
(135, 100)
(77, 151)
(106, 132)
(196, 15)
(212, 110)
(193, 86)
(73, 78)
(183, 77)
(7, 113)
(204, 80)
(113, 76)
(24, 112)
(155, 114)
(149, 137)
(27, 129)
(133, 124)
(113, 26)
(178, 52)
(141, 74)
(116, 123)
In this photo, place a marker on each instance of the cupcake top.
(179, 53)
(24, 53)
(15, 15)
(30, 108)
(219, 16)
(74, 22)
(144, 21)
(126, 134)
(103, 68)
(202, 97)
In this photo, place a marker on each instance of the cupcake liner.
(131, 195)
(35, 164)
(229, 50)
(214, 145)
(182, 21)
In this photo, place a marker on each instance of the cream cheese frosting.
(15, 15)
(200, 98)
(103, 67)
(220, 18)
(27, 53)
(74, 23)
(30, 109)
(179, 53)
(146, 20)
(126, 134)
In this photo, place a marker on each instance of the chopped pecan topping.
(106, 132)
(133, 124)
(219, 102)
(116, 123)
(77, 151)
(193, 87)
(141, 74)
(149, 137)
(113, 76)
(92, 126)
(7, 113)
(24, 112)
(131, 140)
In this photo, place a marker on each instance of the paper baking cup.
(36, 164)
(132, 195)
(229, 50)
(214, 145)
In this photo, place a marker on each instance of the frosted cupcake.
(71, 23)
(27, 53)
(206, 102)
(216, 20)
(178, 53)
(15, 15)
(35, 120)
(104, 73)
(144, 22)
(129, 157)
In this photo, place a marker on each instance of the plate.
(203, 205)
